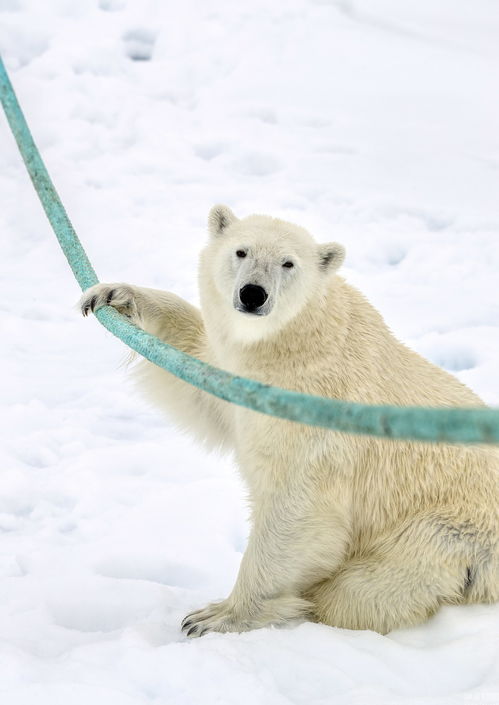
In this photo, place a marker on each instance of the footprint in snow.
(209, 150)
(112, 5)
(139, 44)
(257, 164)
(455, 359)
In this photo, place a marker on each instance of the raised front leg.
(290, 548)
(180, 324)
(160, 313)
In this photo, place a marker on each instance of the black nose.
(252, 296)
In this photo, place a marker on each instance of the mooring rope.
(424, 424)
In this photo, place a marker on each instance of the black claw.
(84, 310)
(109, 297)
(186, 624)
(193, 630)
(93, 301)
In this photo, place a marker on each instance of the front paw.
(217, 617)
(225, 616)
(119, 296)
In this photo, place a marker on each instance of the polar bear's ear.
(219, 219)
(331, 256)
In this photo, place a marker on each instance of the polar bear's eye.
(288, 264)
(241, 253)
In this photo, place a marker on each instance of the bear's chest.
(282, 450)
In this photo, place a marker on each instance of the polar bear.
(352, 531)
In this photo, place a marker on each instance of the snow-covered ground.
(371, 122)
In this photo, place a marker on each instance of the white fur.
(349, 530)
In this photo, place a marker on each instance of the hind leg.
(402, 582)
(383, 595)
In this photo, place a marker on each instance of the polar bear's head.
(260, 272)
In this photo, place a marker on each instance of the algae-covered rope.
(449, 425)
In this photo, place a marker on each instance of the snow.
(373, 123)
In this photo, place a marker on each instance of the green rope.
(450, 425)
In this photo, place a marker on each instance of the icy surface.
(373, 123)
